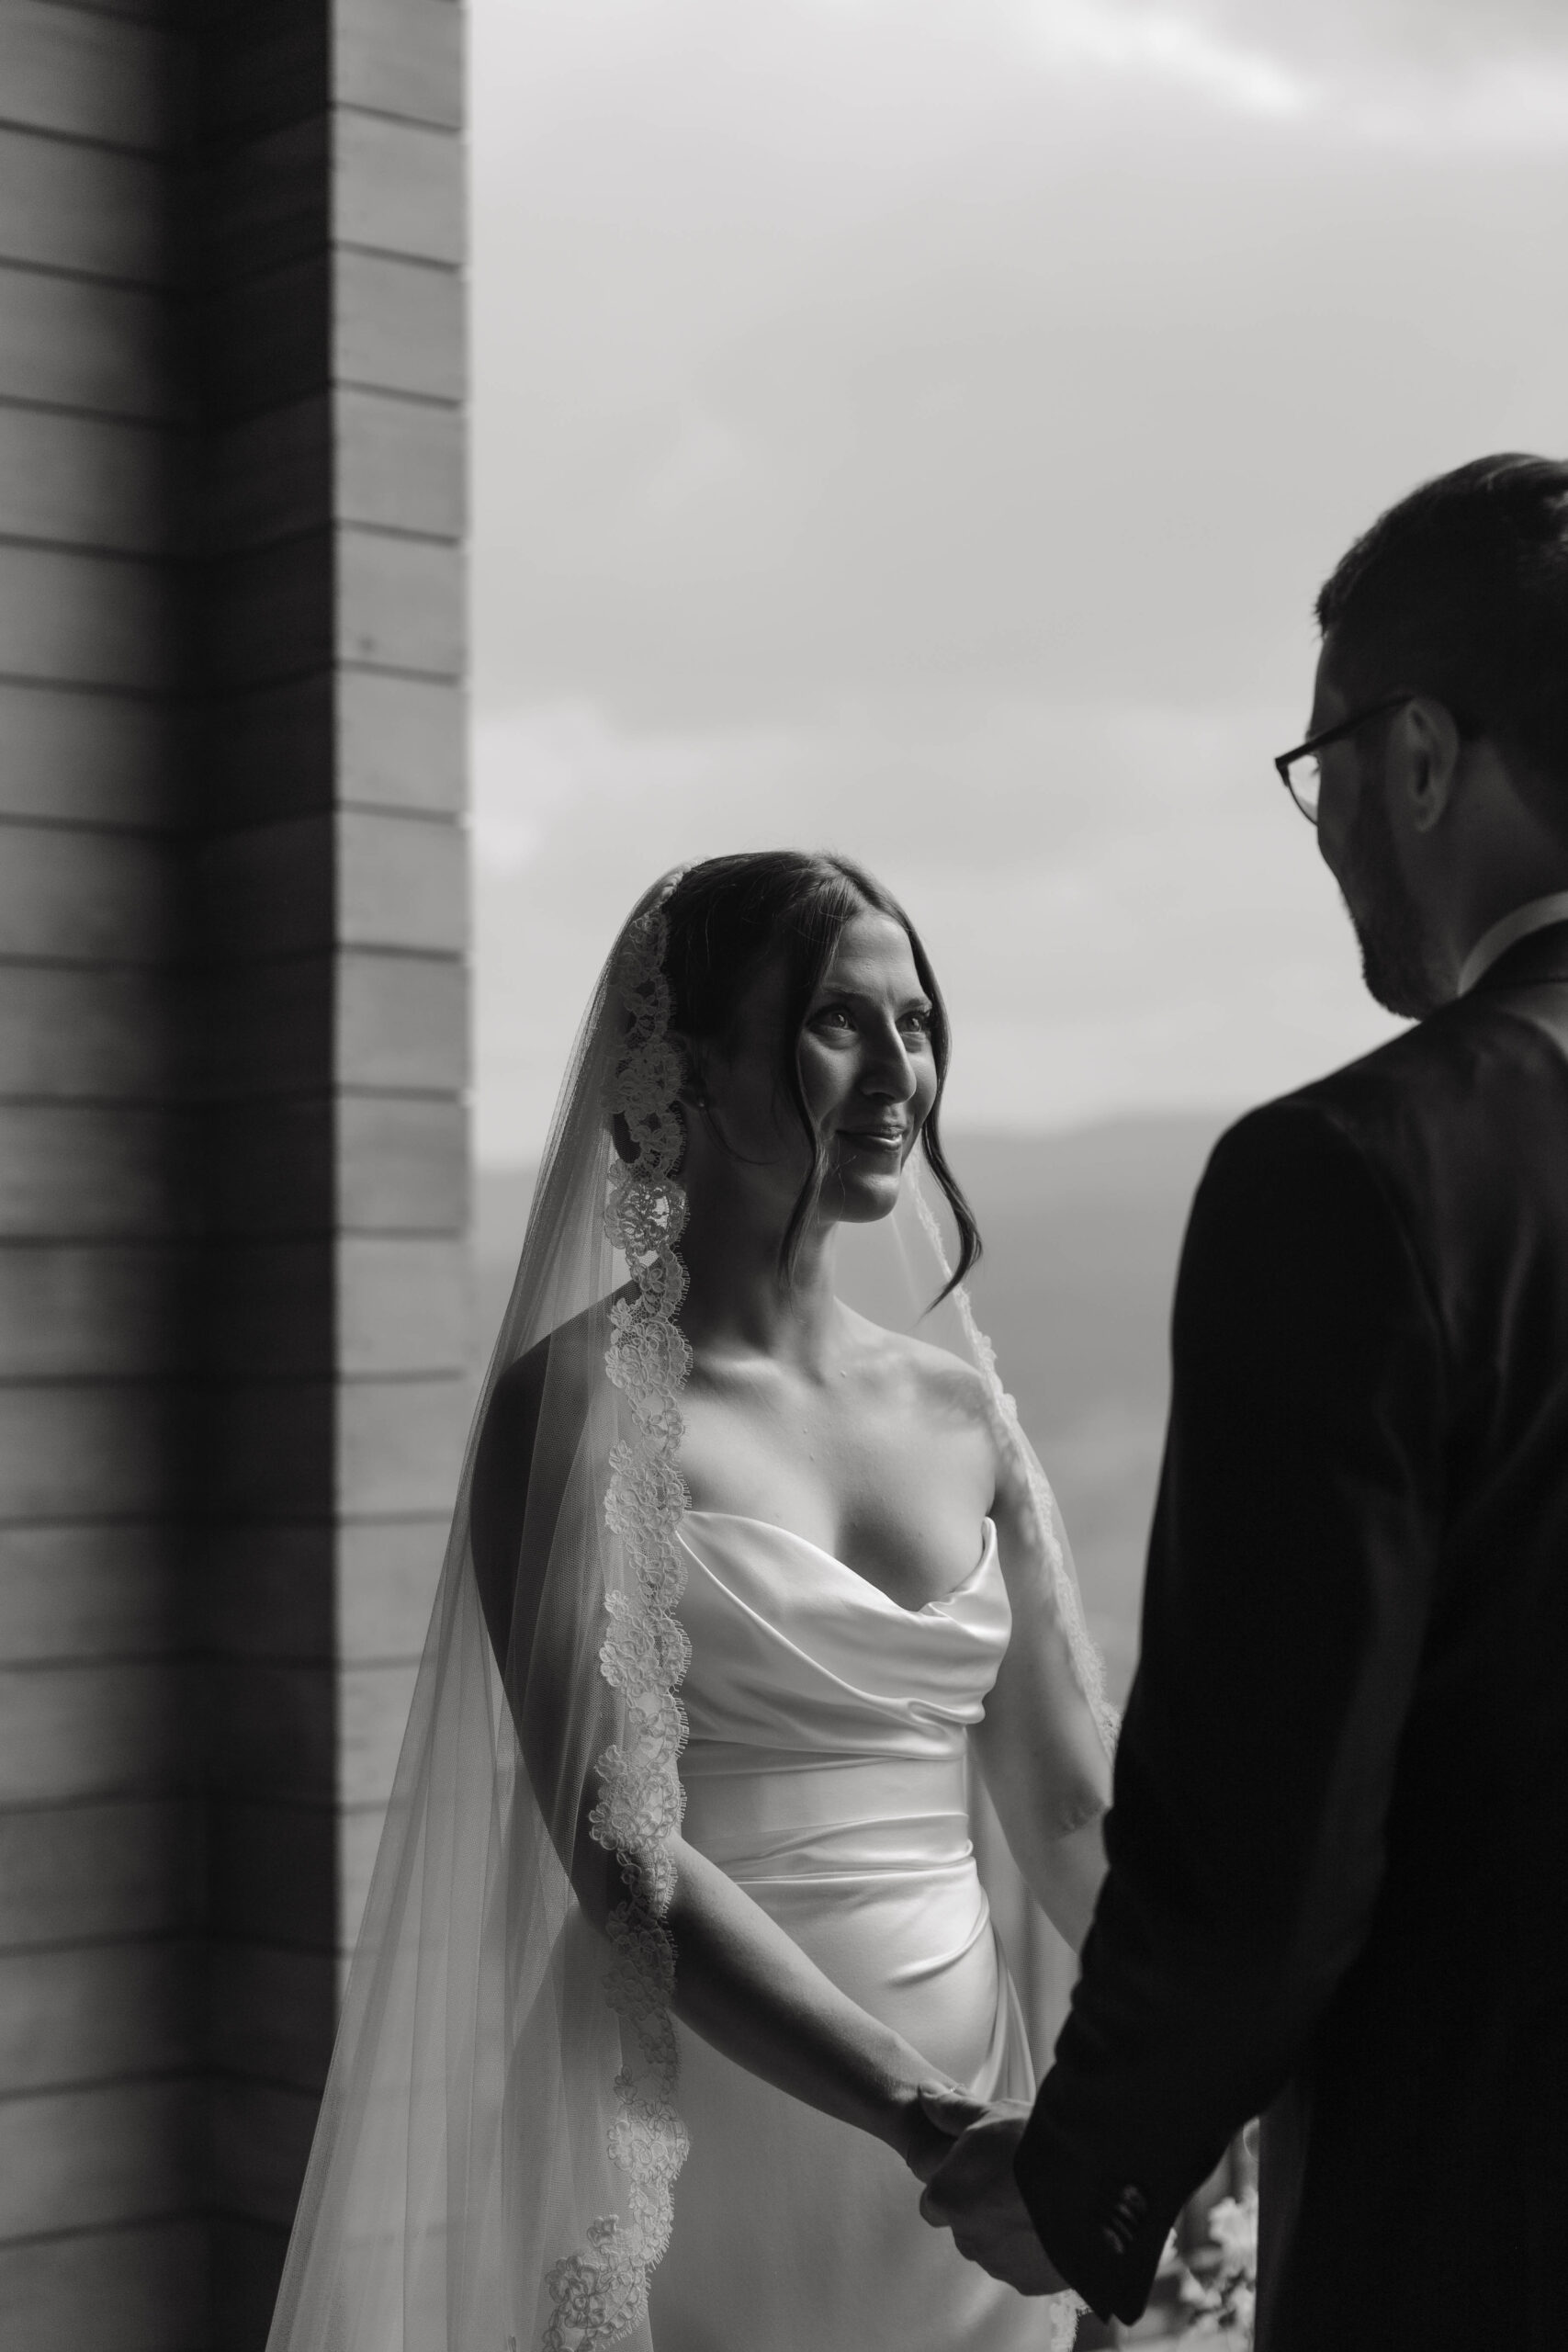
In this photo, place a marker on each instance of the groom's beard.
(1395, 960)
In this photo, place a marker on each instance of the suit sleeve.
(1290, 1579)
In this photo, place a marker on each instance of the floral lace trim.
(600, 2292)
(1009, 1433)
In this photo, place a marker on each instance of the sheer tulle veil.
(494, 2164)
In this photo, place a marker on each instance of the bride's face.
(867, 1068)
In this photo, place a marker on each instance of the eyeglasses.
(1300, 771)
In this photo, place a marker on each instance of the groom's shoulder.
(1372, 1107)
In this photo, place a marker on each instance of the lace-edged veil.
(495, 2158)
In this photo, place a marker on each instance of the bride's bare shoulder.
(930, 1380)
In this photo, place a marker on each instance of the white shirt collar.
(1535, 915)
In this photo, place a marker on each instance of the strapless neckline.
(864, 1584)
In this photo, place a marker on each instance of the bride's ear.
(693, 1091)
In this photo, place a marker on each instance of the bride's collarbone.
(903, 1510)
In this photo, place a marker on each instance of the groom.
(1338, 1884)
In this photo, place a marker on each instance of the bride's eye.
(919, 1020)
(832, 1016)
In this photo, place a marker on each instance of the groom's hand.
(973, 2193)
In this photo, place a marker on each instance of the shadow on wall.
(1082, 1233)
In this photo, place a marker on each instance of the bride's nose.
(888, 1073)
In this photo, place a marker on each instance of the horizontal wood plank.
(269, 1166)
(400, 882)
(402, 1306)
(85, 759)
(270, 474)
(268, 753)
(368, 1306)
(358, 1591)
(72, 1872)
(93, 620)
(373, 1716)
(86, 345)
(92, 209)
(261, 2142)
(85, 482)
(97, 2014)
(91, 1592)
(398, 1024)
(399, 326)
(79, 1310)
(397, 187)
(400, 1445)
(273, 1873)
(267, 1448)
(401, 57)
(399, 466)
(270, 613)
(386, 1575)
(81, 2159)
(273, 2013)
(267, 198)
(74, 1450)
(55, 2292)
(83, 1170)
(72, 1033)
(246, 2269)
(74, 1732)
(274, 1731)
(402, 1021)
(269, 1028)
(267, 1592)
(400, 604)
(268, 339)
(403, 743)
(71, 70)
(75, 895)
(402, 1166)
(400, 462)
(359, 1842)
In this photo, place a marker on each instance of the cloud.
(1418, 73)
(895, 430)
(1122, 906)
(1168, 45)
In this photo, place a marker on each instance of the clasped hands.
(963, 2150)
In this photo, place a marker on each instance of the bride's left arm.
(1039, 1749)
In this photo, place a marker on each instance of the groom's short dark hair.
(1460, 591)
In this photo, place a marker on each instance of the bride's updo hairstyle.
(725, 918)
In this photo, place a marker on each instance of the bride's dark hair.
(724, 917)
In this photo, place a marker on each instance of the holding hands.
(964, 2154)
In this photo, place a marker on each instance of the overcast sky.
(919, 428)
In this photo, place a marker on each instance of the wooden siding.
(101, 1828)
(232, 1063)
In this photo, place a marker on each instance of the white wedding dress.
(827, 1774)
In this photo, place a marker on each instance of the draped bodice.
(828, 1723)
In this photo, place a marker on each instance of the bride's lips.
(880, 1139)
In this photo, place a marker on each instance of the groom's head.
(1447, 805)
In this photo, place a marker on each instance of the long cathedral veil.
(494, 2163)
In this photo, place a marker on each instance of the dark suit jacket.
(1338, 1885)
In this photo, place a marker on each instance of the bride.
(676, 1908)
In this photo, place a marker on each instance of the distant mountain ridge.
(1081, 1232)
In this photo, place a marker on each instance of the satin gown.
(826, 1773)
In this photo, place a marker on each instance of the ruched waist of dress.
(760, 1811)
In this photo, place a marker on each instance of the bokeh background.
(919, 428)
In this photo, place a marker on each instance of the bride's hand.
(925, 2140)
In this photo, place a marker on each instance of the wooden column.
(232, 1044)
(100, 1821)
(326, 199)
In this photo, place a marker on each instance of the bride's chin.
(865, 1198)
